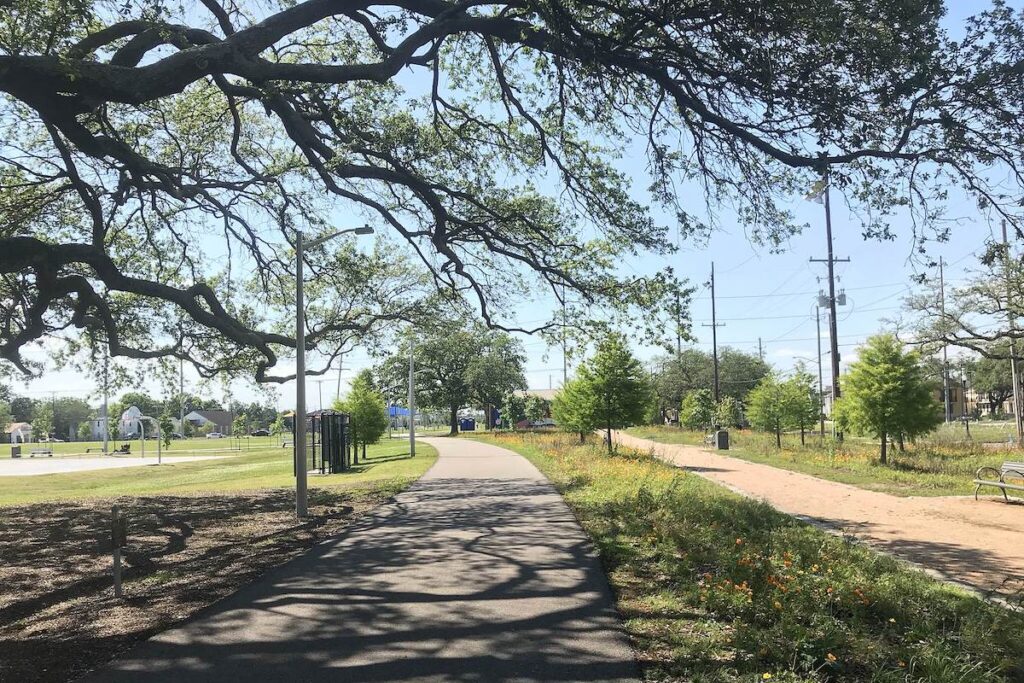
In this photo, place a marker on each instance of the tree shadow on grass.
(183, 552)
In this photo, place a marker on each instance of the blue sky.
(762, 295)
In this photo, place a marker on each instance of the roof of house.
(546, 394)
(15, 426)
(218, 417)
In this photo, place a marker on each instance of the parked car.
(214, 435)
(261, 432)
(176, 435)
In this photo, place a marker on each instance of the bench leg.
(976, 489)
(1005, 497)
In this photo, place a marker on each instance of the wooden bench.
(48, 452)
(1009, 476)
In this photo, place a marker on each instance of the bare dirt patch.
(58, 615)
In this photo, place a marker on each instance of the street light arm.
(361, 230)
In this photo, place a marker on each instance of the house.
(97, 425)
(219, 419)
(958, 404)
(131, 424)
(19, 432)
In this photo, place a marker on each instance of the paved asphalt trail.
(479, 572)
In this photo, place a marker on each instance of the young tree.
(240, 425)
(279, 426)
(803, 400)
(42, 422)
(885, 394)
(366, 409)
(769, 407)
(698, 410)
(616, 386)
(166, 429)
(513, 410)
(5, 414)
(574, 408)
(536, 408)
(84, 431)
(727, 413)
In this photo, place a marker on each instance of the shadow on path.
(463, 578)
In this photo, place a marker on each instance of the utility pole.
(565, 345)
(760, 350)
(341, 362)
(1014, 368)
(945, 350)
(679, 327)
(832, 328)
(319, 394)
(714, 333)
(821, 383)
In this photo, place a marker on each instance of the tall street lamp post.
(301, 494)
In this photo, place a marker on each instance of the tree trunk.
(899, 440)
(608, 435)
(778, 436)
(583, 437)
(802, 434)
(884, 455)
(364, 451)
(454, 422)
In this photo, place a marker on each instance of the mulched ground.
(58, 615)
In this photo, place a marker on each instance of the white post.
(115, 541)
(301, 507)
(412, 400)
(106, 410)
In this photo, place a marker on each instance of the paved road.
(976, 542)
(479, 572)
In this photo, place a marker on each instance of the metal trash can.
(722, 439)
(15, 451)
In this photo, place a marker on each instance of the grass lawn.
(197, 446)
(717, 588)
(256, 468)
(943, 464)
(197, 532)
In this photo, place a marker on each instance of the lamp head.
(363, 230)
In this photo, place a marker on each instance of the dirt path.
(979, 543)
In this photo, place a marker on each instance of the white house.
(19, 432)
(130, 423)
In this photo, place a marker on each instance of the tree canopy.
(458, 363)
(886, 394)
(368, 414)
(158, 157)
(574, 408)
(613, 390)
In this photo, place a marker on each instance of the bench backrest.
(1015, 467)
